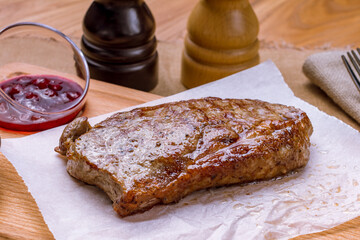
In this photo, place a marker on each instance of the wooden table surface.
(306, 24)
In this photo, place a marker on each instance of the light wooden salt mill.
(221, 40)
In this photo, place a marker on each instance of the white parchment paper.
(324, 194)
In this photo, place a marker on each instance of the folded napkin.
(326, 70)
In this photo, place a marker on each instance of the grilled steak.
(160, 154)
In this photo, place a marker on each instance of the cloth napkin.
(326, 70)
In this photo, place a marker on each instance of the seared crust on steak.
(71, 132)
(160, 154)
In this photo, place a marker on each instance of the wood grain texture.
(310, 23)
(20, 217)
(301, 23)
(228, 43)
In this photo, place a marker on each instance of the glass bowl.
(44, 77)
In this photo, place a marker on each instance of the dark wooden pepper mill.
(119, 43)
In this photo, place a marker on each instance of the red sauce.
(45, 93)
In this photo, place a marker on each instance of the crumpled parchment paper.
(322, 195)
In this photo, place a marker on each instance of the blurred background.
(298, 23)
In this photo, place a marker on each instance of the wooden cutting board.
(19, 215)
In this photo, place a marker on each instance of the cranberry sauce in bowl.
(38, 94)
(44, 77)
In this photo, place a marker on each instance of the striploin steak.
(160, 154)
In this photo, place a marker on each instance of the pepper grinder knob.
(119, 43)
